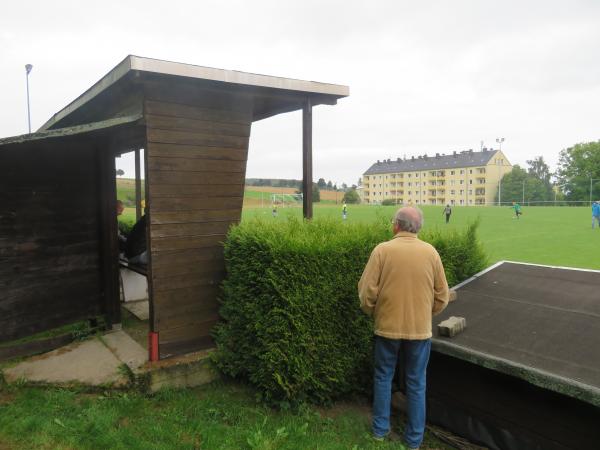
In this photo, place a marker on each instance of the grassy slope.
(559, 236)
(218, 416)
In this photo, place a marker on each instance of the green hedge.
(291, 321)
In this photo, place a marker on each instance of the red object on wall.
(153, 346)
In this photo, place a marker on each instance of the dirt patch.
(4, 445)
(360, 407)
(5, 399)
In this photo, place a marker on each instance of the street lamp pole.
(28, 68)
(523, 201)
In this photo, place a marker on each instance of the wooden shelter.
(58, 249)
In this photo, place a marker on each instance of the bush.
(389, 202)
(351, 197)
(291, 322)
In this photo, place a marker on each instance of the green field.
(560, 236)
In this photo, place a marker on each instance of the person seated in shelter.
(135, 250)
(122, 237)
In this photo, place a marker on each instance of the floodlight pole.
(28, 68)
(307, 198)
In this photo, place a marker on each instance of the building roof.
(467, 158)
(537, 323)
(269, 90)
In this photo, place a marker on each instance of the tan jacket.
(402, 286)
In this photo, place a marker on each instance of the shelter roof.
(537, 323)
(283, 94)
(99, 127)
(457, 159)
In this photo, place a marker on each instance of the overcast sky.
(424, 76)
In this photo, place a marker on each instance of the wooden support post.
(138, 187)
(108, 235)
(307, 201)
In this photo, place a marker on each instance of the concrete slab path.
(94, 362)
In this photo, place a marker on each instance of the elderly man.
(402, 286)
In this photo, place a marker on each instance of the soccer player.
(517, 209)
(448, 212)
(344, 211)
(596, 213)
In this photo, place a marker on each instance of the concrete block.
(126, 349)
(452, 326)
(190, 370)
(453, 295)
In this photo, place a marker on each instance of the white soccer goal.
(286, 200)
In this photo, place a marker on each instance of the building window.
(462, 181)
(470, 181)
(452, 192)
(409, 175)
(452, 172)
(462, 172)
(462, 202)
(462, 192)
(470, 191)
(452, 182)
(470, 170)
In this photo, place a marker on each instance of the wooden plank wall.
(196, 154)
(49, 236)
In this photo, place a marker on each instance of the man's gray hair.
(409, 219)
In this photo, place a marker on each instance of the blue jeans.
(415, 357)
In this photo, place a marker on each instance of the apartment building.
(462, 178)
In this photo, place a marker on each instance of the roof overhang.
(287, 92)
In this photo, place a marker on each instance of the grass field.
(559, 236)
(221, 415)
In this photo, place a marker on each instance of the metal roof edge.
(71, 131)
(115, 74)
(236, 77)
(537, 377)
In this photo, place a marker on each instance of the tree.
(316, 194)
(321, 183)
(120, 172)
(329, 185)
(359, 181)
(351, 196)
(518, 184)
(344, 186)
(539, 170)
(576, 166)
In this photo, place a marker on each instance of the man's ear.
(396, 228)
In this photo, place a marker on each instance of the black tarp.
(525, 374)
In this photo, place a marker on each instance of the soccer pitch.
(560, 236)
